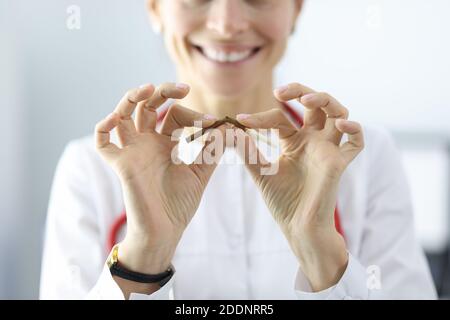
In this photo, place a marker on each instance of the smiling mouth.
(227, 56)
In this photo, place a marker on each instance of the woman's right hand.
(160, 195)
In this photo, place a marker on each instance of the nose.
(227, 18)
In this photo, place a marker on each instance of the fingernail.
(145, 86)
(281, 89)
(182, 86)
(341, 121)
(209, 117)
(308, 97)
(243, 116)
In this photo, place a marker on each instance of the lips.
(227, 55)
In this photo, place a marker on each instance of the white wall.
(386, 60)
(428, 167)
(13, 190)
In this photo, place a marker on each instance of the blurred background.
(386, 60)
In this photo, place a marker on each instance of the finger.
(146, 116)
(102, 136)
(333, 110)
(272, 119)
(355, 143)
(249, 152)
(167, 91)
(291, 91)
(313, 118)
(126, 130)
(147, 120)
(213, 150)
(179, 117)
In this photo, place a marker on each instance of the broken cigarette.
(232, 121)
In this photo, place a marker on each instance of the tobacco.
(216, 124)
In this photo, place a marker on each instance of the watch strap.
(161, 278)
(117, 270)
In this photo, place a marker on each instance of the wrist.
(139, 256)
(322, 255)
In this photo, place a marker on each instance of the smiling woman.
(336, 207)
(228, 46)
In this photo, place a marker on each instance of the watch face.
(112, 258)
(109, 262)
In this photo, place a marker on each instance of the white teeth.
(221, 56)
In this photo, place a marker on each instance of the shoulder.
(380, 165)
(81, 147)
(380, 159)
(381, 150)
(83, 178)
(80, 158)
(378, 138)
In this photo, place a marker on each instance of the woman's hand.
(160, 196)
(302, 195)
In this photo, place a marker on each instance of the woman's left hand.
(302, 195)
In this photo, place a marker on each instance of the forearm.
(320, 249)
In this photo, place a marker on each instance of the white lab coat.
(233, 249)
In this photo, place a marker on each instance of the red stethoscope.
(122, 219)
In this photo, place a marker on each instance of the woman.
(229, 230)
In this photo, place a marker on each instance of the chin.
(227, 87)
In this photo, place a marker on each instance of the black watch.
(121, 272)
